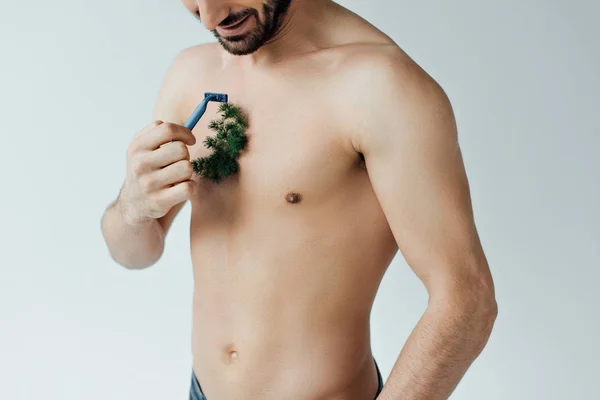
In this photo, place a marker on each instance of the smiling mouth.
(235, 24)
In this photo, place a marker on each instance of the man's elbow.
(479, 308)
(137, 261)
(486, 312)
(472, 303)
(136, 264)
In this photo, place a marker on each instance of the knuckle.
(137, 167)
(153, 125)
(133, 148)
(147, 183)
(182, 149)
(169, 128)
(159, 203)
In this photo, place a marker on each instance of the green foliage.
(229, 141)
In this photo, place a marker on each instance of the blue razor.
(199, 111)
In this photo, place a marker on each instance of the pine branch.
(229, 141)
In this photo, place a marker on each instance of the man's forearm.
(445, 342)
(133, 246)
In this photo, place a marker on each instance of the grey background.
(78, 80)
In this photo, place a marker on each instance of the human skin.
(344, 122)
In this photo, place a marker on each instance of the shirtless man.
(352, 154)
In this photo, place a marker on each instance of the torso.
(289, 252)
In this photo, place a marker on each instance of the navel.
(293, 197)
(232, 353)
(361, 162)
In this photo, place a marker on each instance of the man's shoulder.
(381, 81)
(381, 73)
(383, 61)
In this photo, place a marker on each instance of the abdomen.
(289, 290)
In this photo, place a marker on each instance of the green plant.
(229, 141)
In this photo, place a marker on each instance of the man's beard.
(265, 30)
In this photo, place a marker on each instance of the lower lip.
(236, 30)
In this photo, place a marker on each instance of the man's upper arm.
(407, 134)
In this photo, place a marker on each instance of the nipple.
(293, 198)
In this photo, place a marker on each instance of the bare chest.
(295, 154)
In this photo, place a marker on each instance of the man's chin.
(238, 47)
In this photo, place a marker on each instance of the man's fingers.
(169, 175)
(178, 193)
(165, 133)
(168, 154)
(175, 173)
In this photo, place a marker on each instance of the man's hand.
(158, 177)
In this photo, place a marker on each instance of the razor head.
(220, 97)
